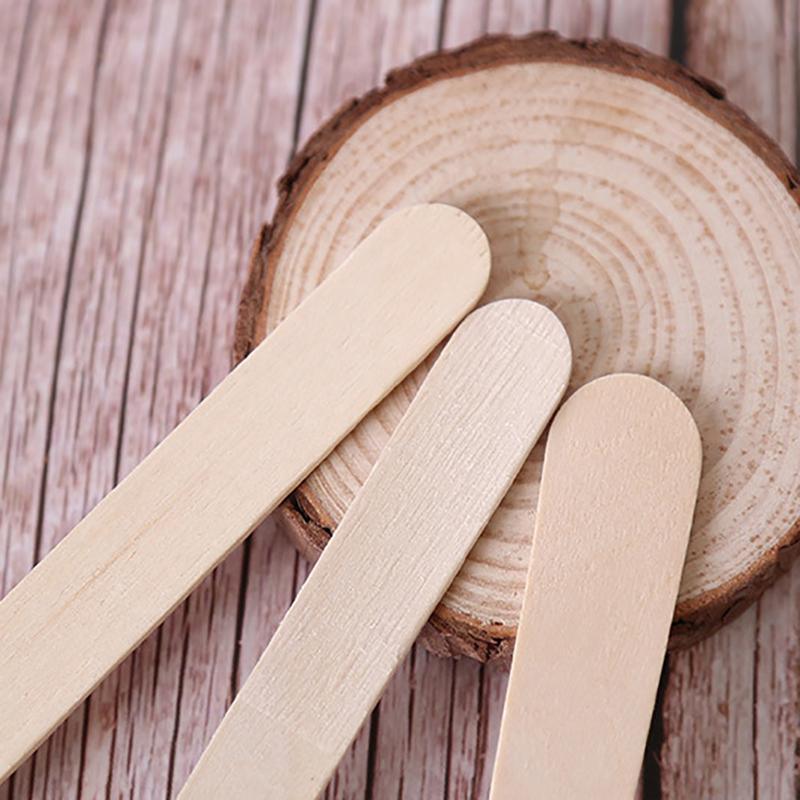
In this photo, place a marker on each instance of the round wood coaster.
(658, 222)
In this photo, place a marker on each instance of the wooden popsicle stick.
(434, 487)
(618, 491)
(227, 465)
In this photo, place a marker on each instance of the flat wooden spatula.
(618, 491)
(199, 493)
(444, 471)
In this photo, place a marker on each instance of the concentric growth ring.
(624, 193)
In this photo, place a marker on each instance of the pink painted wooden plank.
(191, 125)
(352, 47)
(708, 717)
(647, 25)
(465, 20)
(40, 204)
(517, 18)
(92, 372)
(751, 49)
(44, 168)
(731, 704)
(493, 695)
(580, 18)
(126, 158)
(777, 689)
(465, 716)
(235, 70)
(413, 729)
(14, 54)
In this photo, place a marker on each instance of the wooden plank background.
(140, 143)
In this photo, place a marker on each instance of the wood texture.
(618, 492)
(606, 202)
(473, 717)
(458, 448)
(230, 462)
(125, 225)
(731, 719)
(121, 283)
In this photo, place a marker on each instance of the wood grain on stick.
(661, 224)
(199, 493)
(438, 480)
(472, 721)
(174, 119)
(350, 46)
(618, 492)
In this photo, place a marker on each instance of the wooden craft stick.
(432, 491)
(226, 466)
(618, 491)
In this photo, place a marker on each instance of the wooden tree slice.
(626, 194)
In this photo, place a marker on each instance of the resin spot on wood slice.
(661, 235)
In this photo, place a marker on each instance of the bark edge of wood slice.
(549, 143)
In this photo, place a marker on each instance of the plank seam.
(372, 748)
(144, 238)
(212, 228)
(303, 82)
(244, 579)
(480, 736)
(65, 298)
(756, 675)
(444, 8)
(69, 275)
(173, 745)
(18, 76)
(450, 714)
(678, 31)
(651, 768)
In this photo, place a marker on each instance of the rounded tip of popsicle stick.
(536, 319)
(650, 392)
(456, 231)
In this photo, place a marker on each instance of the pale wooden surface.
(147, 544)
(619, 487)
(453, 457)
(136, 168)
